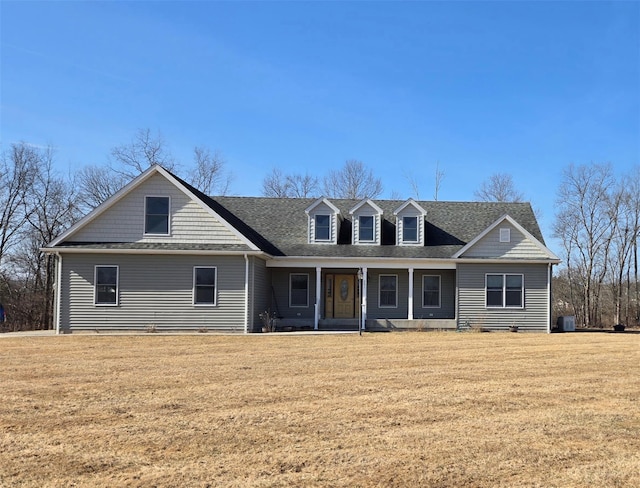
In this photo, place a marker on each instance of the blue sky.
(524, 88)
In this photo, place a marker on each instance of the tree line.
(598, 220)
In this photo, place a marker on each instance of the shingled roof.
(283, 224)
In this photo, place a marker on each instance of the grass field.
(399, 409)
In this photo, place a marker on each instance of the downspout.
(316, 311)
(549, 296)
(56, 321)
(410, 305)
(246, 293)
(364, 299)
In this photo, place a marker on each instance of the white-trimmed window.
(505, 234)
(505, 290)
(388, 291)
(299, 290)
(323, 227)
(366, 228)
(431, 291)
(410, 229)
(205, 285)
(106, 285)
(156, 215)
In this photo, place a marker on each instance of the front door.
(344, 297)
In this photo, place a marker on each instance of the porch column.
(410, 314)
(364, 299)
(316, 312)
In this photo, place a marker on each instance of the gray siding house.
(162, 254)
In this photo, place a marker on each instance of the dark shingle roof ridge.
(251, 234)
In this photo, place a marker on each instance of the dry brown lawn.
(398, 409)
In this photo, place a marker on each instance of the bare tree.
(97, 183)
(498, 188)
(277, 184)
(354, 181)
(438, 181)
(209, 174)
(585, 227)
(54, 210)
(144, 150)
(18, 167)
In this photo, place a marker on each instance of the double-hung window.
(106, 285)
(409, 229)
(430, 291)
(156, 215)
(323, 227)
(204, 285)
(505, 291)
(388, 291)
(299, 290)
(366, 228)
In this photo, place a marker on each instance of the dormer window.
(156, 215)
(366, 228)
(410, 229)
(410, 224)
(323, 228)
(366, 217)
(324, 222)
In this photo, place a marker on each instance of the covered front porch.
(362, 296)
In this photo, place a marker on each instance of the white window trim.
(415, 217)
(215, 288)
(380, 291)
(439, 291)
(95, 285)
(504, 292)
(291, 275)
(315, 228)
(505, 234)
(375, 223)
(144, 223)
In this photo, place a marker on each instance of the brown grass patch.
(399, 409)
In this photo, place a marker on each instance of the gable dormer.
(410, 225)
(367, 223)
(323, 222)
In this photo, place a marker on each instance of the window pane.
(205, 294)
(106, 286)
(323, 227)
(158, 205)
(366, 228)
(107, 275)
(431, 291)
(514, 291)
(410, 229)
(205, 276)
(299, 290)
(157, 215)
(157, 224)
(494, 290)
(205, 286)
(388, 291)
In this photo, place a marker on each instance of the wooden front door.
(340, 296)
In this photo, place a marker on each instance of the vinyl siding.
(519, 247)
(447, 295)
(153, 291)
(280, 282)
(471, 283)
(374, 311)
(124, 221)
(260, 292)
